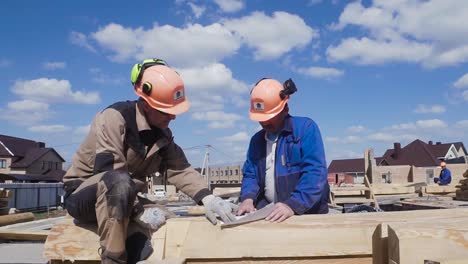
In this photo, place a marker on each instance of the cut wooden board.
(299, 236)
(24, 235)
(226, 191)
(350, 200)
(439, 189)
(392, 189)
(426, 218)
(16, 218)
(68, 241)
(447, 260)
(414, 242)
(358, 260)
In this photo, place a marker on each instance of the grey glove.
(151, 218)
(216, 205)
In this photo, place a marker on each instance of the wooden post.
(16, 218)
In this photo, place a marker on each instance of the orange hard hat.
(163, 89)
(266, 100)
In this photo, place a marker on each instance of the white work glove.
(216, 205)
(151, 218)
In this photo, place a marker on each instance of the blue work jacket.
(445, 177)
(300, 168)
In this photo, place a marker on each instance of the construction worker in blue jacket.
(445, 177)
(286, 160)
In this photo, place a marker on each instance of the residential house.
(24, 160)
(416, 162)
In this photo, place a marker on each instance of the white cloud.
(462, 124)
(81, 40)
(431, 123)
(53, 90)
(197, 10)
(230, 6)
(462, 82)
(369, 51)
(314, 2)
(28, 105)
(465, 95)
(82, 130)
(346, 140)
(213, 77)
(238, 137)
(423, 109)
(356, 129)
(49, 129)
(272, 36)
(384, 137)
(321, 72)
(332, 139)
(53, 65)
(420, 124)
(426, 32)
(217, 119)
(24, 118)
(193, 45)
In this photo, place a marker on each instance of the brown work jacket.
(120, 138)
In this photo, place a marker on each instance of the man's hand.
(215, 205)
(151, 218)
(281, 212)
(246, 206)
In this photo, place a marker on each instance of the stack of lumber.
(5, 196)
(319, 239)
(431, 190)
(429, 237)
(461, 192)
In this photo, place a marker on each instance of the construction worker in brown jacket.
(127, 142)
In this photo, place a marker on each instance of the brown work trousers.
(109, 199)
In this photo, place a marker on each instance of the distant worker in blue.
(445, 177)
(286, 159)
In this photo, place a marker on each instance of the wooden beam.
(16, 218)
(24, 235)
(414, 242)
(358, 260)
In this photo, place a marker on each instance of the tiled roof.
(18, 146)
(346, 165)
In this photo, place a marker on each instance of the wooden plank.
(299, 236)
(24, 235)
(15, 218)
(440, 189)
(358, 260)
(414, 242)
(343, 200)
(226, 191)
(67, 241)
(380, 245)
(6, 194)
(446, 260)
(195, 210)
(158, 241)
(393, 189)
(337, 193)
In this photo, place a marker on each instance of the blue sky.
(370, 73)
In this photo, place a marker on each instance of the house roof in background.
(32, 155)
(19, 146)
(346, 165)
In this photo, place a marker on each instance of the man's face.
(156, 117)
(274, 124)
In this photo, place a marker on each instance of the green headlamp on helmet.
(138, 69)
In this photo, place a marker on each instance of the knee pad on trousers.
(120, 193)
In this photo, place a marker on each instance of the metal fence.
(34, 196)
